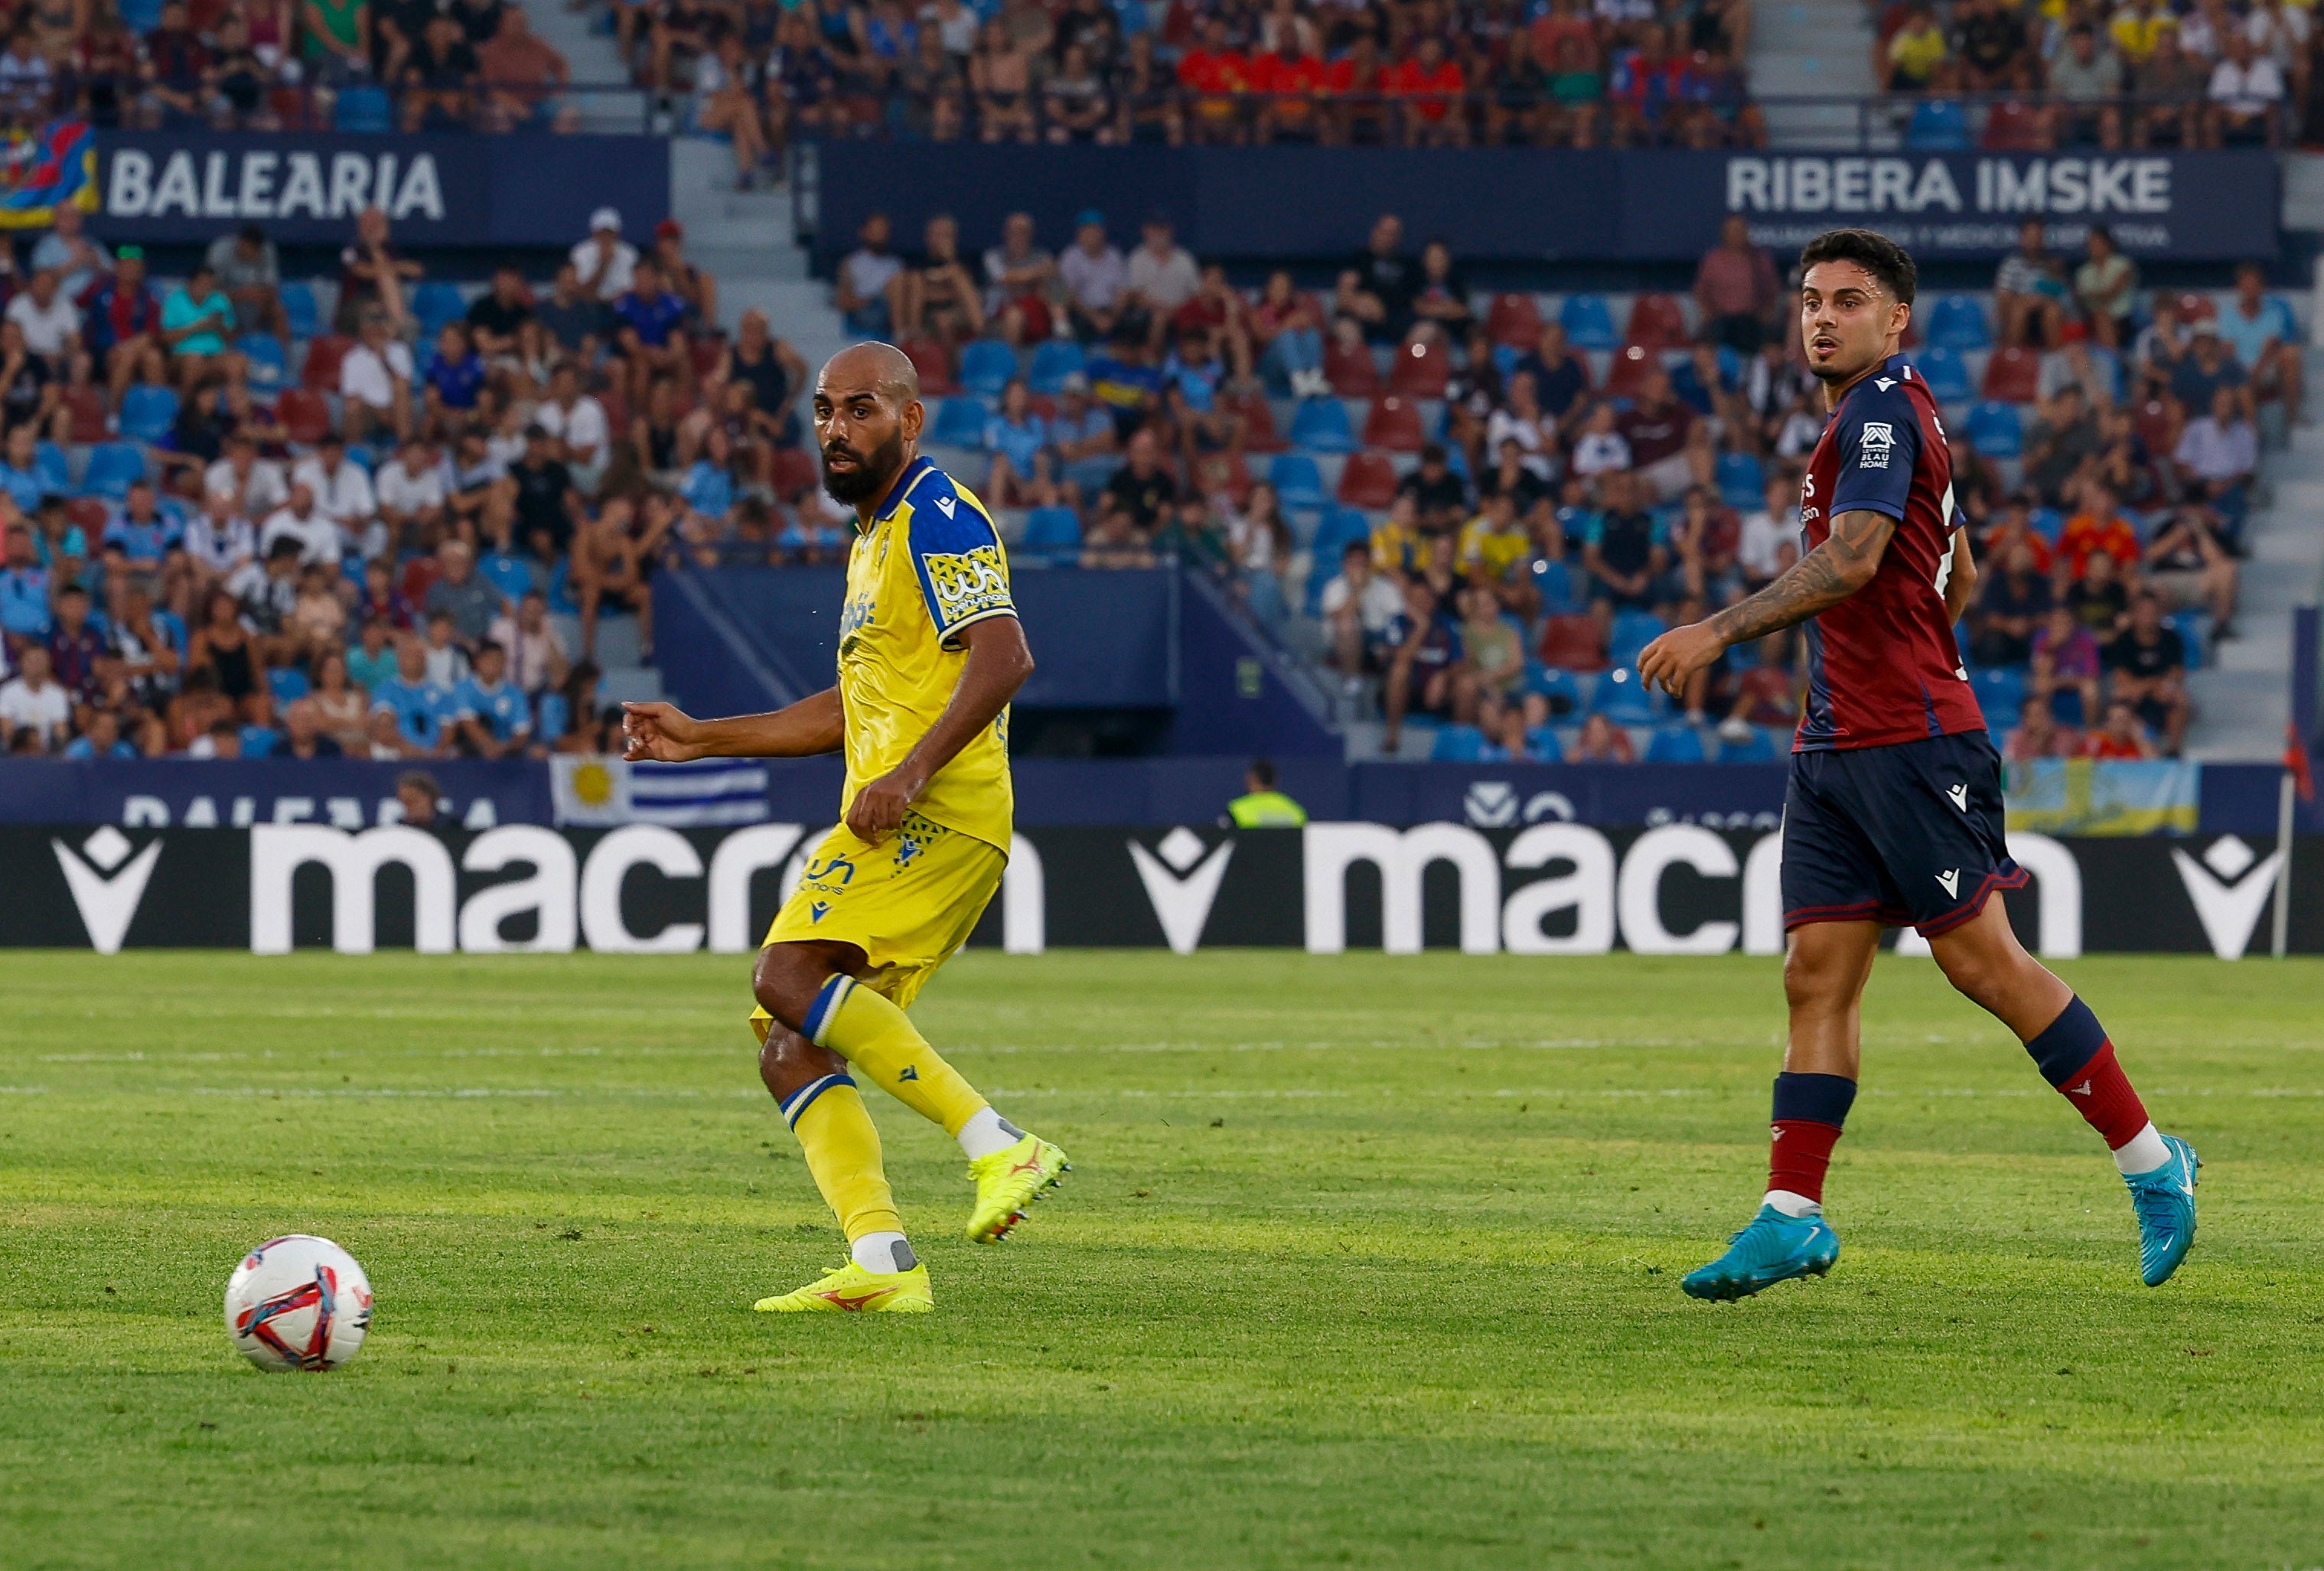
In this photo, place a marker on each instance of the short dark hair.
(1262, 770)
(1872, 251)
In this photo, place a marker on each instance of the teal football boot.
(1774, 1248)
(2164, 1200)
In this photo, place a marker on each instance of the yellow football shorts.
(907, 902)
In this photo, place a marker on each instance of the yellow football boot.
(1007, 1181)
(853, 1291)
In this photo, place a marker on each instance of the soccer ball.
(298, 1302)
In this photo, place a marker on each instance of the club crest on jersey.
(1874, 446)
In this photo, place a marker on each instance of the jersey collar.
(1891, 370)
(902, 489)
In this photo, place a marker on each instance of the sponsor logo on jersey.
(966, 582)
(1874, 446)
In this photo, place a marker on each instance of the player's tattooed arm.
(665, 733)
(1818, 581)
(1840, 567)
(997, 664)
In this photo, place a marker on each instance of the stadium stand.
(1534, 478)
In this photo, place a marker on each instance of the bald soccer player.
(930, 652)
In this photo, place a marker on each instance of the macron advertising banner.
(1551, 888)
(1525, 204)
(306, 188)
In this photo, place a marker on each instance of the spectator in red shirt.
(1215, 73)
(1659, 427)
(2099, 526)
(2122, 735)
(1294, 76)
(1735, 286)
(1435, 110)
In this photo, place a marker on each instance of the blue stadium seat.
(1676, 744)
(1560, 687)
(1589, 322)
(435, 302)
(1958, 322)
(1742, 481)
(113, 469)
(1554, 581)
(986, 367)
(1298, 481)
(552, 716)
(147, 412)
(1632, 631)
(1053, 362)
(54, 470)
(1321, 425)
(1051, 530)
(2000, 693)
(141, 16)
(361, 109)
(1622, 698)
(2066, 706)
(299, 306)
(1506, 358)
(2194, 627)
(1334, 531)
(1996, 430)
(1458, 745)
(1759, 747)
(560, 586)
(288, 683)
(511, 576)
(269, 367)
(1942, 368)
(959, 423)
(1937, 126)
(258, 742)
(2048, 523)
(1541, 744)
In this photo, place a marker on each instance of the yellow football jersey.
(930, 565)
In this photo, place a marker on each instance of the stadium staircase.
(2243, 697)
(589, 52)
(1812, 48)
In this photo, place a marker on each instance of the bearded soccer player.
(1894, 814)
(930, 652)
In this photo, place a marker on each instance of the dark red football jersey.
(1883, 664)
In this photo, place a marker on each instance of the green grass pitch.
(1363, 1262)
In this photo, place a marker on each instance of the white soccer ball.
(298, 1302)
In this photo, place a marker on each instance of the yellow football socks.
(842, 1153)
(881, 1042)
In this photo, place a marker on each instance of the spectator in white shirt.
(2246, 91)
(51, 322)
(411, 495)
(376, 381)
(1770, 538)
(536, 651)
(342, 492)
(578, 421)
(36, 700)
(1358, 605)
(1092, 273)
(256, 484)
(604, 261)
(1161, 276)
(219, 541)
(860, 291)
(299, 519)
(2219, 450)
(1601, 446)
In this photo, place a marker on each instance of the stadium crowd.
(1475, 513)
(383, 553)
(273, 65)
(2143, 73)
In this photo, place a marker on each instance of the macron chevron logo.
(1951, 879)
(2081, 1090)
(1959, 794)
(945, 504)
(1884, 384)
(909, 1074)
